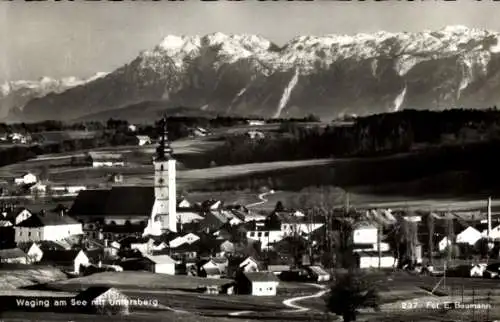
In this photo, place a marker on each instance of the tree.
(430, 229)
(44, 173)
(279, 207)
(350, 293)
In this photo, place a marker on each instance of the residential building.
(161, 264)
(72, 260)
(210, 270)
(255, 135)
(25, 179)
(33, 252)
(370, 259)
(13, 256)
(143, 140)
(47, 226)
(257, 283)
(256, 122)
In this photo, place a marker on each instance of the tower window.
(161, 167)
(160, 181)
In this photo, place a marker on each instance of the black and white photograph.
(244, 161)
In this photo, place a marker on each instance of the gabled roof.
(117, 201)
(261, 277)
(318, 270)
(11, 253)
(47, 219)
(212, 270)
(25, 247)
(93, 292)
(160, 259)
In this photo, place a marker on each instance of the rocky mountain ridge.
(327, 76)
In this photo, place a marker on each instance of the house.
(250, 264)
(257, 283)
(105, 159)
(33, 252)
(143, 140)
(255, 135)
(47, 226)
(37, 187)
(184, 203)
(132, 128)
(161, 264)
(65, 189)
(210, 269)
(256, 122)
(71, 259)
(13, 256)
(186, 251)
(318, 274)
(365, 234)
(227, 247)
(188, 238)
(477, 270)
(25, 179)
(370, 259)
(15, 215)
(116, 178)
(103, 300)
(469, 235)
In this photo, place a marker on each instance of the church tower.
(165, 205)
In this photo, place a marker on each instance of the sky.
(81, 38)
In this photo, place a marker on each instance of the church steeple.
(164, 150)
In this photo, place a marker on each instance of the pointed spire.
(163, 151)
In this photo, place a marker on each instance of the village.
(231, 249)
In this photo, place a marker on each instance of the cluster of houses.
(15, 138)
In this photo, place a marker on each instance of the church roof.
(117, 201)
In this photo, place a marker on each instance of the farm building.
(370, 259)
(105, 159)
(13, 256)
(257, 283)
(72, 259)
(47, 226)
(103, 300)
(25, 179)
(33, 252)
(161, 264)
(469, 235)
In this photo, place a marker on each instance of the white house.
(132, 128)
(370, 259)
(33, 252)
(258, 284)
(184, 203)
(494, 234)
(265, 237)
(478, 270)
(366, 234)
(47, 226)
(26, 178)
(143, 140)
(256, 122)
(162, 264)
(469, 235)
(186, 239)
(250, 265)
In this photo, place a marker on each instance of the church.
(154, 207)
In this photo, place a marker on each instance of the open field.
(144, 280)
(12, 278)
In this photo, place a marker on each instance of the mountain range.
(328, 76)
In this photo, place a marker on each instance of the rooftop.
(47, 219)
(261, 277)
(11, 253)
